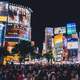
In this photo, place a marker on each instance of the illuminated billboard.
(71, 28)
(24, 17)
(75, 35)
(25, 33)
(18, 32)
(49, 31)
(28, 18)
(2, 31)
(18, 21)
(72, 43)
(10, 45)
(12, 31)
(13, 14)
(60, 30)
(58, 38)
(20, 15)
(48, 37)
(3, 11)
(0, 35)
(58, 41)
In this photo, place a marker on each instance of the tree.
(48, 56)
(15, 49)
(32, 52)
(23, 48)
(4, 51)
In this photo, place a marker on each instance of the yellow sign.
(58, 38)
(3, 18)
(13, 58)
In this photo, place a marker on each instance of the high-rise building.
(17, 21)
(48, 38)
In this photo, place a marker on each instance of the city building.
(17, 22)
(48, 38)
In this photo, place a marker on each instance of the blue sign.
(2, 31)
(71, 28)
(0, 36)
(26, 34)
(72, 39)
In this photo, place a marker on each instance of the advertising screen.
(13, 14)
(72, 43)
(58, 41)
(19, 15)
(58, 38)
(12, 31)
(28, 18)
(18, 31)
(25, 33)
(3, 11)
(60, 30)
(24, 17)
(58, 44)
(75, 35)
(49, 31)
(2, 28)
(72, 39)
(71, 28)
(0, 35)
(10, 45)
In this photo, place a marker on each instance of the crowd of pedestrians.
(40, 72)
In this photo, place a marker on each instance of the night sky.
(51, 13)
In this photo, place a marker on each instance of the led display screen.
(2, 31)
(71, 28)
(12, 31)
(19, 15)
(72, 43)
(49, 31)
(3, 11)
(13, 14)
(58, 39)
(60, 30)
(25, 33)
